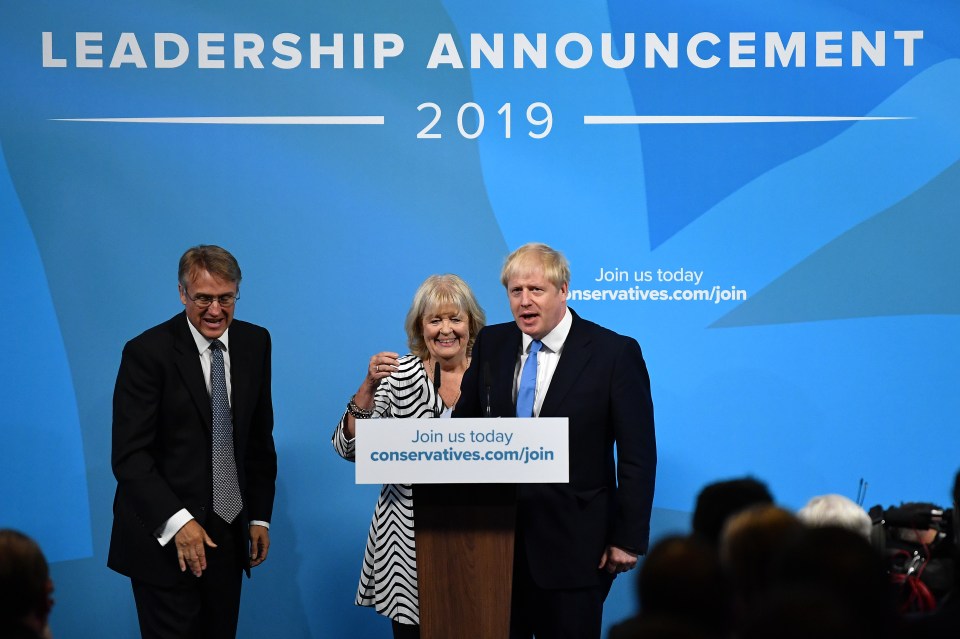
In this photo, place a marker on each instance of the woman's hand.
(381, 365)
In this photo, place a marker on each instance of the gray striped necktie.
(227, 501)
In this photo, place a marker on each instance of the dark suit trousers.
(546, 613)
(198, 607)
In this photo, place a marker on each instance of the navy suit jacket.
(601, 384)
(162, 438)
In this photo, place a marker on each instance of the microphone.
(436, 386)
(487, 383)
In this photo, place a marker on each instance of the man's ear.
(46, 604)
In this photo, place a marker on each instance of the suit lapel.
(506, 365)
(240, 366)
(188, 363)
(573, 359)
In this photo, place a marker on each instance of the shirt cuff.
(168, 530)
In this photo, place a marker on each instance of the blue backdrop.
(774, 217)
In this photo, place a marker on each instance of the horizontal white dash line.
(306, 119)
(725, 119)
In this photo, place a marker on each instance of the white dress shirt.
(547, 359)
(172, 526)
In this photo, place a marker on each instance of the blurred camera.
(918, 544)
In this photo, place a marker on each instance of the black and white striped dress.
(388, 579)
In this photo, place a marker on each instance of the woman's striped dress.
(388, 580)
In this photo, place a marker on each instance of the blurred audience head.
(681, 578)
(719, 500)
(25, 586)
(836, 510)
(842, 565)
(802, 614)
(751, 543)
(956, 527)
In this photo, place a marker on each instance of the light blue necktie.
(227, 501)
(527, 392)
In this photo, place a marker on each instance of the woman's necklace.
(450, 404)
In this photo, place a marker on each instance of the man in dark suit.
(571, 539)
(194, 457)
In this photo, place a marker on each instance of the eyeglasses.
(225, 301)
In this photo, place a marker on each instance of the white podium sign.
(462, 451)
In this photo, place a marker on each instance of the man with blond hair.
(571, 539)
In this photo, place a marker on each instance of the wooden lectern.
(464, 559)
(464, 529)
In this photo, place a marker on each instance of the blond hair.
(437, 291)
(536, 255)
